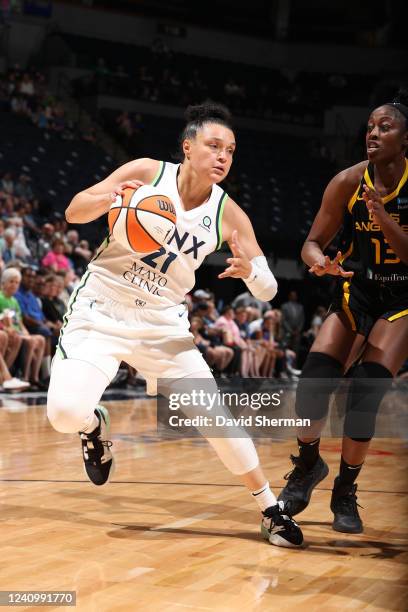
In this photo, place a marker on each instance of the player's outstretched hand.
(119, 190)
(239, 264)
(374, 203)
(329, 266)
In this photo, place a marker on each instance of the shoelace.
(298, 471)
(349, 502)
(282, 518)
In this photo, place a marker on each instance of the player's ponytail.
(199, 114)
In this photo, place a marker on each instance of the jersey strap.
(159, 174)
(220, 212)
(369, 178)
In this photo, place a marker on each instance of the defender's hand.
(374, 204)
(328, 266)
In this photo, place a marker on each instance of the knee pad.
(369, 383)
(237, 454)
(320, 376)
(74, 392)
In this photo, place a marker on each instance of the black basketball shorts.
(364, 302)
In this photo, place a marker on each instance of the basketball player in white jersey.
(129, 307)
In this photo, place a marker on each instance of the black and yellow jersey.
(365, 249)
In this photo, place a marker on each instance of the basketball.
(142, 219)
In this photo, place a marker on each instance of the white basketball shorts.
(104, 332)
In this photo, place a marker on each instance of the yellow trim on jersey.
(403, 313)
(347, 253)
(396, 191)
(368, 179)
(346, 308)
(353, 199)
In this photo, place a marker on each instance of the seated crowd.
(40, 264)
(249, 338)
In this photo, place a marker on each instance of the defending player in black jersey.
(369, 315)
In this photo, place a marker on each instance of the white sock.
(90, 424)
(264, 497)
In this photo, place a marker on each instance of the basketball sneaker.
(344, 507)
(279, 528)
(98, 459)
(300, 484)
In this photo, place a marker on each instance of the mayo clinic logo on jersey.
(402, 203)
(206, 223)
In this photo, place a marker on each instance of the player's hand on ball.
(239, 264)
(119, 190)
(328, 266)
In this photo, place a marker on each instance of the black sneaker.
(98, 459)
(344, 507)
(279, 528)
(301, 482)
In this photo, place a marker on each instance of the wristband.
(261, 282)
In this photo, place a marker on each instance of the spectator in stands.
(218, 356)
(9, 252)
(52, 306)
(23, 188)
(7, 183)
(78, 251)
(29, 220)
(7, 382)
(2, 239)
(26, 86)
(247, 300)
(8, 311)
(309, 336)
(41, 118)
(33, 345)
(232, 338)
(33, 316)
(60, 226)
(45, 241)
(293, 320)
(69, 281)
(266, 339)
(20, 246)
(258, 352)
(200, 295)
(55, 259)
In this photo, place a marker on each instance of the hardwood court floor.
(175, 531)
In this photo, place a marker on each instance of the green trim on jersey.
(218, 222)
(159, 174)
(71, 303)
(104, 245)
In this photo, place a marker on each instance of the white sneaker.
(293, 371)
(15, 384)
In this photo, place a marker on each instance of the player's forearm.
(396, 237)
(86, 207)
(312, 253)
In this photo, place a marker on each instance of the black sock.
(348, 473)
(309, 452)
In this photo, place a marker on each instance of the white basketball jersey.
(161, 278)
